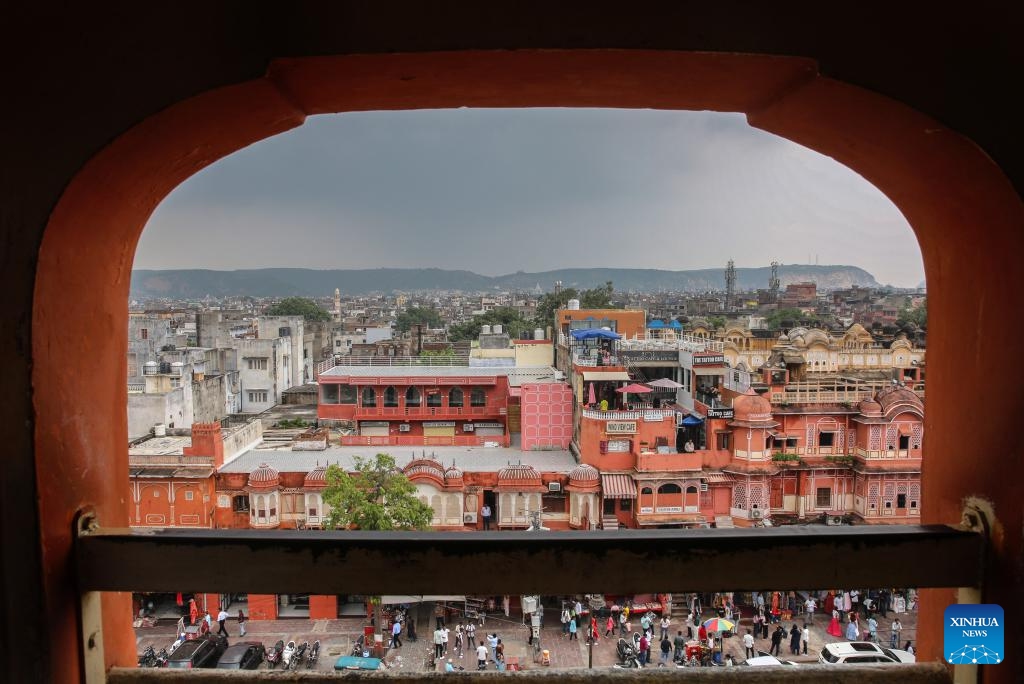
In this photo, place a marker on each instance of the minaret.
(337, 302)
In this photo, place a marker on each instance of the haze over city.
(498, 191)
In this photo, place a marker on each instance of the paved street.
(337, 638)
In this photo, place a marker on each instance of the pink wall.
(546, 416)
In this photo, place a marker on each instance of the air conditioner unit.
(554, 486)
(833, 520)
(756, 514)
(703, 486)
(404, 427)
(468, 427)
(469, 518)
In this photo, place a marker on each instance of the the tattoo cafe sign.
(704, 359)
(620, 427)
(641, 356)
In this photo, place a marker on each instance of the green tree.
(377, 496)
(548, 304)
(298, 306)
(423, 315)
(918, 316)
(785, 318)
(716, 322)
(506, 316)
(597, 298)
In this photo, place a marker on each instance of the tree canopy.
(377, 496)
(506, 316)
(423, 315)
(298, 306)
(917, 315)
(597, 298)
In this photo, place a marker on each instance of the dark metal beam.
(290, 561)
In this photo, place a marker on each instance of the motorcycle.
(147, 658)
(360, 652)
(298, 656)
(629, 654)
(161, 658)
(287, 654)
(274, 654)
(314, 654)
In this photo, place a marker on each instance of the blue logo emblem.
(973, 634)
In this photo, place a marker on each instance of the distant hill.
(303, 282)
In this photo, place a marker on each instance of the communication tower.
(773, 283)
(730, 285)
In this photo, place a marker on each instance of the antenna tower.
(773, 283)
(730, 285)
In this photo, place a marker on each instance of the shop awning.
(714, 477)
(418, 598)
(618, 487)
(605, 376)
(692, 420)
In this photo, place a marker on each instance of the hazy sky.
(497, 191)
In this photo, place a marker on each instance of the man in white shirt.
(444, 639)
(438, 642)
(854, 601)
(222, 617)
(805, 638)
(485, 513)
(481, 656)
(809, 606)
(748, 645)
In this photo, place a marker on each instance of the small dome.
(518, 471)
(264, 476)
(425, 467)
(316, 477)
(584, 473)
(869, 408)
(751, 407)
(452, 473)
(897, 395)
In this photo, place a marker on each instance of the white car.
(766, 661)
(856, 652)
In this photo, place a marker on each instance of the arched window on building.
(434, 398)
(455, 397)
(390, 397)
(413, 397)
(478, 398)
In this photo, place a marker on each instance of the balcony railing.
(136, 388)
(363, 412)
(649, 415)
(390, 361)
(424, 440)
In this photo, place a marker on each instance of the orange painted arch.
(964, 212)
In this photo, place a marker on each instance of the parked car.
(202, 652)
(766, 661)
(862, 652)
(245, 655)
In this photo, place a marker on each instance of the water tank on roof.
(498, 329)
(574, 305)
(150, 368)
(159, 430)
(485, 330)
(538, 333)
(176, 368)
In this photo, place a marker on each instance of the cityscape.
(548, 408)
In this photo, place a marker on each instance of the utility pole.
(730, 285)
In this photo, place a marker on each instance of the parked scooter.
(161, 658)
(147, 658)
(287, 654)
(314, 654)
(359, 650)
(274, 654)
(629, 655)
(298, 656)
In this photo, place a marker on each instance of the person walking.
(222, 618)
(690, 625)
(459, 632)
(645, 650)
(873, 629)
(444, 639)
(609, 627)
(666, 651)
(805, 638)
(481, 656)
(193, 611)
(680, 646)
(896, 628)
(777, 637)
(241, 622)
(572, 629)
(438, 642)
(748, 645)
(623, 620)
(565, 620)
(470, 634)
(396, 630)
(851, 629)
(809, 606)
(794, 639)
(492, 642)
(485, 513)
(665, 622)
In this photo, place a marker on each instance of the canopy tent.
(664, 383)
(595, 334)
(656, 324)
(692, 420)
(634, 388)
(675, 325)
